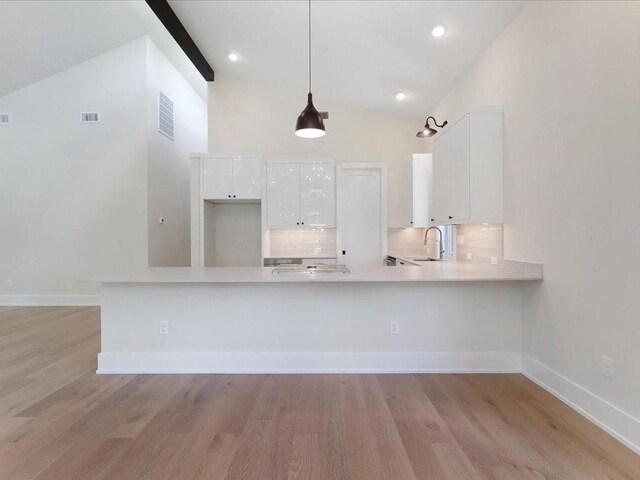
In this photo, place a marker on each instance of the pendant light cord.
(309, 46)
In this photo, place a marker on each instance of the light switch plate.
(494, 260)
(460, 239)
(468, 256)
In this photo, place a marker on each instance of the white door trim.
(341, 169)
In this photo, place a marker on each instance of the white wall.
(73, 197)
(169, 164)
(247, 117)
(80, 199)
(568, 76)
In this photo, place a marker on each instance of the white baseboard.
(49, 300)
(611, 419)
(308, 362)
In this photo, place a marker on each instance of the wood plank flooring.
(60, 421)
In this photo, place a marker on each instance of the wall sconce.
(430, 131)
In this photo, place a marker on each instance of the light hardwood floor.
(60, 421)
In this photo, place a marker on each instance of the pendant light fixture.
(309, 123)
(430, 131)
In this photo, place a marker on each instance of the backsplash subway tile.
(302, 242)
(482, 241)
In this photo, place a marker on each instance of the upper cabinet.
(283, 194)
(229, 179)
(416, 189)
(467, 169)
(301, 195)
(318, 194)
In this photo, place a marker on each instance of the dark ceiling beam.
(167, 16)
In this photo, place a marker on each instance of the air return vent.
(5, 118)
(165, 116)
(89, 117)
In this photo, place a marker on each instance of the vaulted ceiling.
(364, 52)
(41, 38)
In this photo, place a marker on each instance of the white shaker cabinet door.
(283, 195)
(218, 175)
(458, 155)
(247, 178)
(450, 194)
(317, 195)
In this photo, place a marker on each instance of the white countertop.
(432, 272)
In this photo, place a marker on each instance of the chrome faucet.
(441, 251)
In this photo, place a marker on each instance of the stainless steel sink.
(310, 269)
(424, 259)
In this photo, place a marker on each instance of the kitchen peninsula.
(444, 316)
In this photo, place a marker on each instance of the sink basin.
(310, 269)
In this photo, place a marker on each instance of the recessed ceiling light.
(233, 57)
(401, 96)
(438, 31)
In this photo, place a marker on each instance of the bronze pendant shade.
(310, 123)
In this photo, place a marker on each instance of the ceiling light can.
(438, 31)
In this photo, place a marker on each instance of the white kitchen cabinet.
(317, 194)
(416, 191)
(283, 195)
(232, 179)
(247, 178)
(217, 178)
(467, 169)
(300, 195)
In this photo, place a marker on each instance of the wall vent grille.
(165, 116)
(5, 118)
(89, 117)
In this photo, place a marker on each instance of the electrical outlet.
(607, 366)
(9, 283)
(468, 256)
(163, 327)
(394, 327)
(494, 260)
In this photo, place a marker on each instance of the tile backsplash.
(302, 242)
(482, 241)
(321, 242)
(406, 241)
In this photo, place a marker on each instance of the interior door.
(283, 195)
(247, 178)
(317, 194)
(218, 174)
(360, 216)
